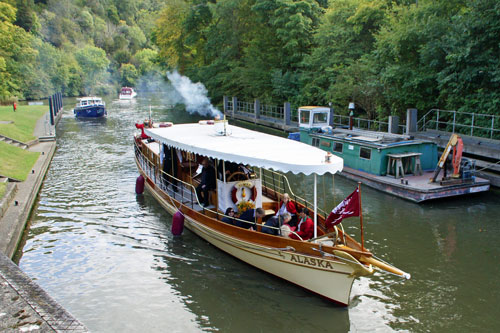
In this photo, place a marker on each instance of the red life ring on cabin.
(240, 185)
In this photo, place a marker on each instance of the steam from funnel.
(193, 95)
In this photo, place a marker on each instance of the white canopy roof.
(248, 147)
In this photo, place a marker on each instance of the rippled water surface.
(107, 255)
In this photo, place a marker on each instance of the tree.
(470, 79)
(94, 63)
(128, 75)
(145, 61)
(170, 36)
(345, 35)
(26, 17)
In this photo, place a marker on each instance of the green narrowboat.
(393, 163)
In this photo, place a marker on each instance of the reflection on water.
(107, 255)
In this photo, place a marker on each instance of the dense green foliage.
(77, 47)
(385, 55)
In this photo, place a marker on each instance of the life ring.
(239, 185)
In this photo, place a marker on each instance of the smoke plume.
(192, 95)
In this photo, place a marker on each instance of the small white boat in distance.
(127, 93)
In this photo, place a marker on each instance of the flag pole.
(315, 207)
(361, 219)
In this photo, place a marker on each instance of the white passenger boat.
(168, 160)
(127, 93)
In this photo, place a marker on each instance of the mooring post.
(56, 99)
(225, 102)
(235, 105)
(393, 126)
(54, 104)
(256, 110)
(60, 101)
(411, 120)
(287, 116)
(51, 110)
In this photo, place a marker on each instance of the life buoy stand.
(239, 185)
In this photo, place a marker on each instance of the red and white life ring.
(240, 185)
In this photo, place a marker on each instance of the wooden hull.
(325, 276)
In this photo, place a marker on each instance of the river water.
(108, 257)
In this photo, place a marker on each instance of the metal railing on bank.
(467, 123)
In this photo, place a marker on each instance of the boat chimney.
(351, 115)
(221, 127)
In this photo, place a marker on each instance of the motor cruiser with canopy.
(168, 158)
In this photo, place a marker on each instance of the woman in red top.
(305, 228)
(287, 206)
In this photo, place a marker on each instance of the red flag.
(347, 208)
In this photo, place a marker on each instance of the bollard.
(51, 110)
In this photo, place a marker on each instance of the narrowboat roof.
(370, 138)
(248, 147)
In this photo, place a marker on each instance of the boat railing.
(164, 179)
(279, 183)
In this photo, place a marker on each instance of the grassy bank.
(3, 188)
(16, 162)
(23, 121)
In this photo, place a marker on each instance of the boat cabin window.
(320, 117)
(304, 116)
(365, 153)
(338, 147)
(315, 142)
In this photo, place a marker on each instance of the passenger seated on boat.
(207, 182)
(274, 222)
(305, 229)
(229, 218)
(250, 216)
(287, 206)
(286, 228)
